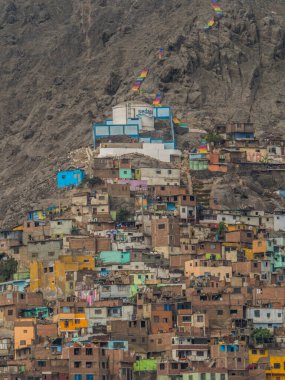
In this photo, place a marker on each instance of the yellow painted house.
(272, 361)
(58, 275)
(247, 251)
(72, 322)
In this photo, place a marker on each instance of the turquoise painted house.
(125, 173)
(114, 257)
(70, 178)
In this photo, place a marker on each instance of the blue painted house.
(70, 178)
(130, 119)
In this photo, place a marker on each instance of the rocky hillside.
(64, 63)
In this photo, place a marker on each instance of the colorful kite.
(143, 74)
(219, 14)
(157, 100)
(161, 53)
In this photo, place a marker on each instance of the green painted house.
(213, 256)
(114, 257)
(36, 312)
(125, 173)
(198, 165)
(145, 365)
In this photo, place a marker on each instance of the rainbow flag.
(157, 100)
(176, 121)
(217, 8)
(219, 13)
(143, 74)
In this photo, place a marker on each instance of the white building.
(279, 222)
(154, 150)
(160, 177)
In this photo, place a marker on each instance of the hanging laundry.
(161, 53)
(137, 85)
(157, 100)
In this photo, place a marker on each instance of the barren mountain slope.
(64, 63)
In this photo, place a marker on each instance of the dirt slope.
(64, 63)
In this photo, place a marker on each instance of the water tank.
(131, 110)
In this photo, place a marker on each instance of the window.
(161, 226)
(89, 377)
(97, 311)
(268, 315)
(77, 321)
(41, 363)
(223, 376)
(200, 353)
(77, 351)
(159, 341)
(174, 365)
(213, 376)
(80, 309)
(254, 352)
(200, 318)
(220, 312)
(257, 313)
(156, 319)
(276, 365)
(186, 318)
(279, 315)
(22, 342)
(162, 366)
(25, 331)
(50, 269)
(77, 364)
(10, 312)
(89, 364)
(158, 172)
(89, 351)
(203, 376)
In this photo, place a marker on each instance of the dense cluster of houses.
(128, 277)
(235, 144)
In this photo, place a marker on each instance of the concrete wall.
(156, 151)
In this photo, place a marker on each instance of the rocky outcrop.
(64, 63)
